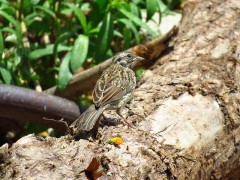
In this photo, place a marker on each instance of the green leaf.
(35, 2)
(94, 31)
(163, 8)
(46, 10)
(102, 5)
(8, 29)
(6, 75)
(138, 21)
(152, 7)
(48, 50)
(79, 52)
(64, 73)
(4, 1)
(117, 34)
(51, 13)
(105, 37)
(61, 38)
(139, 72)
(6, 7)
(134, 9)
(1, 45)
(29, 19)
(97, 14)
(17, 59)
(131, 26)
(80, 15)
(16, 24)
(127, 39)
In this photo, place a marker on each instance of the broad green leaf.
(134, 9)
(6, 75)
(1, 45)
(105, 37)
(152, 7)
(48, 50)
(138, 21)
(64, 72)
(131, 26)
(79, 52)
(80, 15)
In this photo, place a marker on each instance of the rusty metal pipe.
(26, 105)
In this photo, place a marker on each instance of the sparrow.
(112, 91)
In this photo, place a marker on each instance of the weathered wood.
(186, 110)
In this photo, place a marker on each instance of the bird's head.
(126, 59)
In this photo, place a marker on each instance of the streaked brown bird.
(112, 91)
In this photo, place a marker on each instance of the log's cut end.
(32, 157)
(185, 122)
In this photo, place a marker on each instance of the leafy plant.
(45, 42)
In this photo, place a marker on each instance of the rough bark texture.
(188, 113)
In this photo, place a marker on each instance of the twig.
(60, 121)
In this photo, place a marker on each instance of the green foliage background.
(44, 42)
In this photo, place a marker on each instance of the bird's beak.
(138, 58)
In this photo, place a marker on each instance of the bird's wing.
(113, 85)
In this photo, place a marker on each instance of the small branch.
(59, 121)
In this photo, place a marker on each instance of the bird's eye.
(129, 55)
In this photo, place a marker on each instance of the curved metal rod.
(26, 105)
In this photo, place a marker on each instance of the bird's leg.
(118, 111)
(121, 104)
(108, 121)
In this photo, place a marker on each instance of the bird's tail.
(88, 119)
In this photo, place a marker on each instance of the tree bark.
(186, 110)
